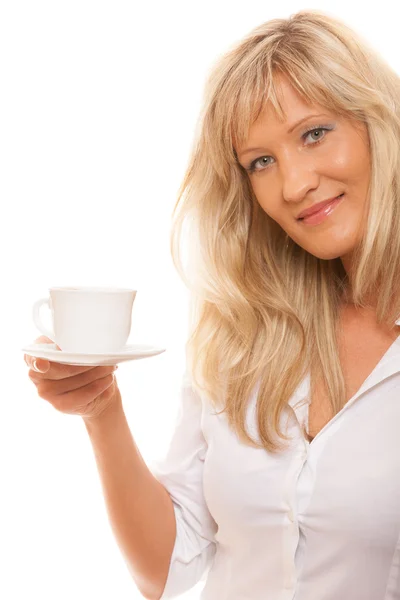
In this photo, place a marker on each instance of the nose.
(299, 177)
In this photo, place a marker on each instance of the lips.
(316, 207)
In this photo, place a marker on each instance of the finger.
(54, 370)
(90, 393)
(69, 402)
(39, 365)
(53, 388)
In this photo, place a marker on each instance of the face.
(290, 169)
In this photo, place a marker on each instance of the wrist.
(113, 408)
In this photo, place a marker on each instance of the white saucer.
(130, 352)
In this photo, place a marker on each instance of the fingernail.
(41, 369)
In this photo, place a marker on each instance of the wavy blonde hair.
(263, 311)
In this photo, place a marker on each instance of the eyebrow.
(291, 128)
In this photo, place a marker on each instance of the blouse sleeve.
(181, 473)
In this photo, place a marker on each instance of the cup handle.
(36, 318)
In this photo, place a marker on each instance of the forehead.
(283, 107)
(293, 105)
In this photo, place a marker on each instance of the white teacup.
(93, 320)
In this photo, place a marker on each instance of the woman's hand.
(85, 391)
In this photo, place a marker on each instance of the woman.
(283, 474)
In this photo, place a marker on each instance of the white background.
(99, 101)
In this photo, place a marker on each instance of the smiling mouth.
(321, 210)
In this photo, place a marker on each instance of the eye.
(322, 128)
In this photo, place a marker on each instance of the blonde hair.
(263, 311)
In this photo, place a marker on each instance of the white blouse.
(319, 522)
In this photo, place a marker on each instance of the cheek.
(265, 195)
(272, 209)
(270, 203)
(350, 161)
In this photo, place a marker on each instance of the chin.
(326, 255)
(323, 253)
